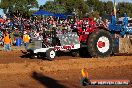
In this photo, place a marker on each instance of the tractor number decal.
(67, 47)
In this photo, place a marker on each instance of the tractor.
(89, 38)
(102, 41)
(95, 40)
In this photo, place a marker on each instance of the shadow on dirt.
(25, 54)
(47, 81)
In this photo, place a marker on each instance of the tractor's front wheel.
(100, 43)
(34, 56)
(50, 54)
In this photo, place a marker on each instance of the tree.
(107, 7)
(61, 2)
(17, 5)
(79, 7)
(93, 3)
(125, 8)
(54, 7)
(94, 14)
(68, 6)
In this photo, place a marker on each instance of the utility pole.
(114, 4)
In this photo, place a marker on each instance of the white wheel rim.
(52, 54)
(106, 44)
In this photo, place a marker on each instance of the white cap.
(25, 32)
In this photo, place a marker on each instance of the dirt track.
(19, 71)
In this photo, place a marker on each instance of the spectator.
(26, 40)
(7, 42)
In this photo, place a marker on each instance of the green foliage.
(78, 7)
(94, 14)
(22, 6)
(101, 7)
(125, 8)
(53, 7)
(81, 8)
(107, 7)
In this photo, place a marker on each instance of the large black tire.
(74, 53)
(93, 43)
(83, 52)
(32, 55)
(50, 54)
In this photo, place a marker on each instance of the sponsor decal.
(66, 47)
(85, 81)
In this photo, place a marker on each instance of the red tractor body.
(85, 26)
(94, 38)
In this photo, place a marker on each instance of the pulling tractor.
(101, 40)
(88, 38)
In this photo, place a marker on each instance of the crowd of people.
(18, 27)
(33, 28)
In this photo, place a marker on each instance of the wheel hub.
(52, 54)
(101, 44)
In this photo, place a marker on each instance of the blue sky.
(42, 2)
(118, 0)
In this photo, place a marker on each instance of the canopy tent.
(42, 12)
(60, 15)
(45, 13)
(65, 15)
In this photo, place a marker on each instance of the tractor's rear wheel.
(100, 43)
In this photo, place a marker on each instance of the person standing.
(7, 42)
(26, 40)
